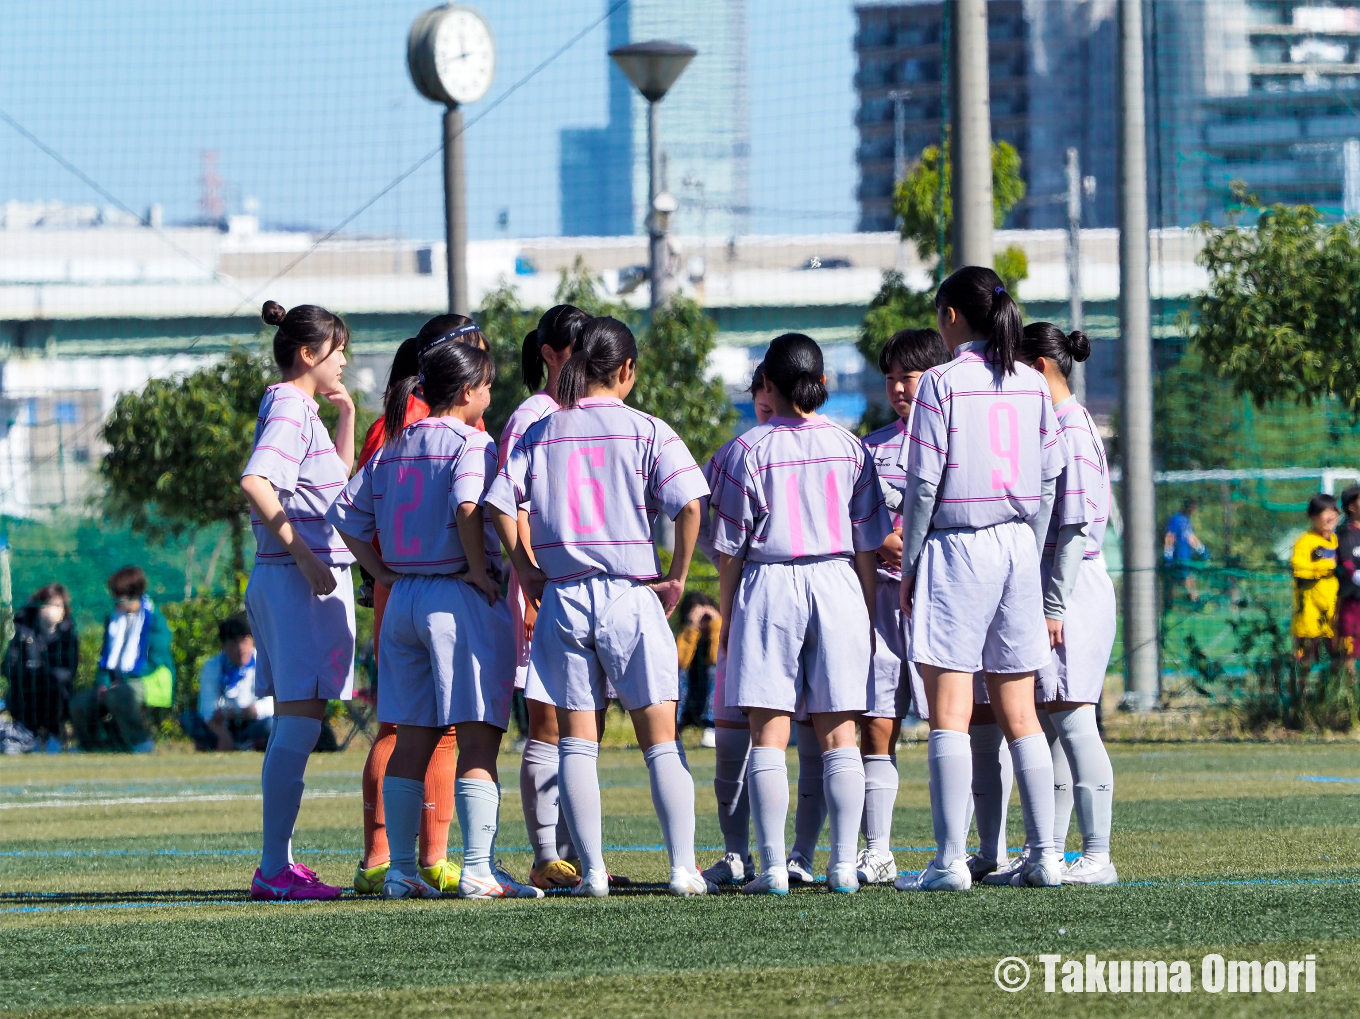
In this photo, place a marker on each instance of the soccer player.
(1315, 585)
(982, 461)
(908, 355)
(300, 599)
(800, 520)
(447, 637)
(1348, 578)
(602, 604)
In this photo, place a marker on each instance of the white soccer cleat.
(875, 868)
(508, 881)
(774, 881)
(979, 866)
(731, 870)
(686, 882)
(595, 885)
(841, 877)
(1091, 869)
(1003, 874)
(399, 886)
(954, 878)
(499, 885)
(1040, 870)
(799, 870)
(709, 739)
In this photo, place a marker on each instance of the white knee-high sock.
(767, 778)
(1062, 783)
(1034, 777)
(729, 786)
(951, 778)
(673, 798)
(1092, 775)
(992, 776)
(880, 793)
(843, 777)
(403, 800)
(578, 785)
(479, 806)
(281, 786)
(538, 797)
(810, 814)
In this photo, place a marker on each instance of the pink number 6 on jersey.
(404, 547)
(1010, 450)
(577, 481)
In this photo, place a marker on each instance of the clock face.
(464, 55)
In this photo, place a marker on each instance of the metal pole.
(657, 259)
(1074, 302)
(945, 92)
(1141, 652)
(455, 211)
(899, 98)
(972, 155)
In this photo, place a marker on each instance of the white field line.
(119, 801)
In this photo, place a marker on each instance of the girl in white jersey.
(1080, 606)
(593, 476)
(300, 598)
(982, 461)
(545, 351)
(800, 520)
(447, 639)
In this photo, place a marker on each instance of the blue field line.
(41, 854)
(1329, 778)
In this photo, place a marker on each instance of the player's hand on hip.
(669, 591)
(1055, 632)
(533, 581)
(489, 588)
(317, 574)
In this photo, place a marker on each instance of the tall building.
(705, 130)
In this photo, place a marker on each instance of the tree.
(895, 306)
(1280, 318)
(504, 324)
(916, 201)
(178, 447)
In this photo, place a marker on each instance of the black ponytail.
(606, 345)
(978, 294)
(793, 365)
(446, 367)
(559, 328)
(1044, 339)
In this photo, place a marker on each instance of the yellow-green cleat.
(370, 881)
(444, 876)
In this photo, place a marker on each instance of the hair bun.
(1078, 345)
(273, 313)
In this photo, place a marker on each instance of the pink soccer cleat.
(294, 883)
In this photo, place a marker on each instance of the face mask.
(51, 615)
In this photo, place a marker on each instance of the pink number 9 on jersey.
(403, 546)
(1009, 449)
(593, 456)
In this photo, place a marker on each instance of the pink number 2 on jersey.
(578, 481)
(1010, 449)
(403, 546)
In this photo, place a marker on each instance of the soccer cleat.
(369, 881)
(954, 878)
(554, 874)
(499, 885)
(1040, 870)
(1091, 869)
(731, 870)
(595, 885)
(686, 882)
(443, 875)
(799, 871)
(615, 880)
(774, 881)
(875, 868)
(509, 881)
(1003, 873)
(293, 884)
(979, 866)
(709, 739)
(398, 886)
(841, 877)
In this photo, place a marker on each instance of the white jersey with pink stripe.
(593, 479)
(885, 446)
(535, 408)
(409, 493)
(1083, 495)
(798, 487)
(294, 453)
(986, 438)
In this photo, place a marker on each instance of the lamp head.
(653, 67)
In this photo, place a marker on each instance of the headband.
(998, 290)
(443, 338)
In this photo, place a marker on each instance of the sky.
(309, 108)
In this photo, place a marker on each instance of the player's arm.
(264, 501)
(729, 576)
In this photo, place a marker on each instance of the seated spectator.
(40, 665)
(697, 645)
(135, 671)
(229, 715)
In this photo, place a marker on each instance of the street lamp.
(653, 68)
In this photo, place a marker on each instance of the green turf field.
(123, 883)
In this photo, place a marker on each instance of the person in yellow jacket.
(697, 644)
(1315, 585)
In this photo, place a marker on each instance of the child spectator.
(1315, 583)
(40, 665)
(1179, 546)
(697, 646)
(229, 715)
